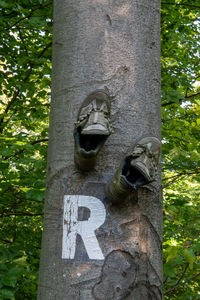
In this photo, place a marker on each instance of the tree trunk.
(112, 45)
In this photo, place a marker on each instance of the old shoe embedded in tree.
(137, 169)
(91, 129)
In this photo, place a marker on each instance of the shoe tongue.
(96, 124)
(95, 129)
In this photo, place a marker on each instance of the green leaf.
(198, 122)
(189, 255)
(172, 252)
(35, 194)
(7, 294)
(9, 280)
(4, 4)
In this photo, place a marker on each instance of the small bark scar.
(109, 19)
(55, 176)
(118, 276)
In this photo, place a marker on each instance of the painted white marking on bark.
(86, 229)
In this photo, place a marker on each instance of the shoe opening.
(90, 142)
(133, 176)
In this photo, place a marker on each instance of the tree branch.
(192, 240)
(183, 173)
(45, 49)
(172, 181)
(6, 241)
(26, 17)
(180, 100)
(169, 103)
(181, 4)
(179, 280)
(182, 283)
(192, 96)
(22, 39)
(10, 103)
(20, 214)
(175, 177)
(39, 141)
(23, 149)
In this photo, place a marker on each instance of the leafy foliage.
(25, 69)
(181, 148)
(25, 66)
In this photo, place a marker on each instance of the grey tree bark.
(98, 44)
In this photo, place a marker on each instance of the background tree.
(25, 65)
(181, 147)
(24, 142)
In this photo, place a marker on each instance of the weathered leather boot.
(91, 129)
(138, 168)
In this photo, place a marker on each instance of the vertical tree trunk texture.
(98, 44)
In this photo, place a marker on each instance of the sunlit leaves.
(181, 147)
(25, 68)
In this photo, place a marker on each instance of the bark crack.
(153, 230)
(118, 276)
